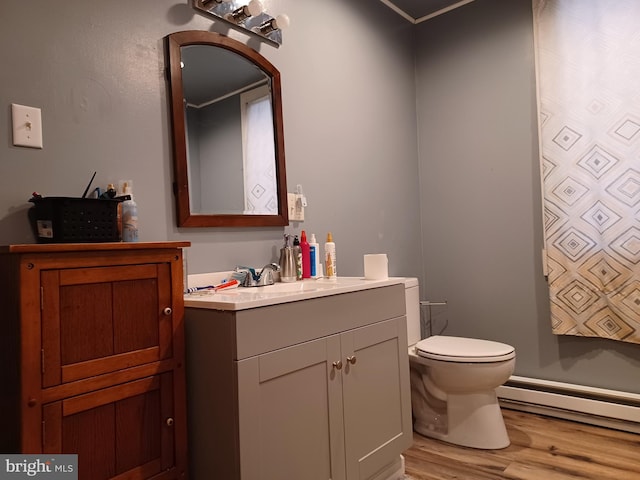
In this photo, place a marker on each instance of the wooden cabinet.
(94, 356)
(315, 389)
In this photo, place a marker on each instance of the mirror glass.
(227, 133)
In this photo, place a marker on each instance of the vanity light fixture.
(207, 2)
(247, 17)
(278, 23)
(252, 9)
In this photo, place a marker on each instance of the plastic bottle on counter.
(330, 258)
(297, 253)
(306, 255)
(129, 215)
(110, 192)
(314, 256)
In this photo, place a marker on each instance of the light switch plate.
(296, 210)
(27, 126)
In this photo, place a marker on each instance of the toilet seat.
(464, 350)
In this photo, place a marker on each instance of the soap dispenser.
(287, 261)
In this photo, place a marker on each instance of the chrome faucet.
(261, 279)
(266, 274)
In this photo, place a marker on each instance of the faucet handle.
(251, 272)
(244, 276)
(253, 279)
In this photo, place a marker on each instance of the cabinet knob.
(352, 359)
(169, 422)
(167, 311)
(32, 402)
(337, 365)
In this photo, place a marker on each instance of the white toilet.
(453, 382)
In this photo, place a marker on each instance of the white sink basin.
(242, 298)
(303, 286)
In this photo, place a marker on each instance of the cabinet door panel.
(290, 413)
(106, 323)
(135, 315)
(138, 427)
(115, 431)
(86, 329)
(85, 433)
(377, 407)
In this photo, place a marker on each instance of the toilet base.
(473, 420)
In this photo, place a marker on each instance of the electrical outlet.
(27, 126)
(296, 210)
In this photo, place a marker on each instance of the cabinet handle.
(352, 359)
(337, 365)
(167, 311)
(169, 422)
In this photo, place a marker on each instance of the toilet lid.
(459, 349)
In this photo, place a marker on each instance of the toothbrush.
(215, 288)
(197, 289)
(226, 284)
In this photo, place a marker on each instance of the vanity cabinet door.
(290, 413)
(334, 408)
(377, 403)
(123, 430)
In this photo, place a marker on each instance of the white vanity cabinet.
(311, 389)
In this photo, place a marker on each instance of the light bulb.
(254, 8)
(241, 14)
(278, 23)
(281, 21)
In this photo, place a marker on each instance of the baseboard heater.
(596, 406)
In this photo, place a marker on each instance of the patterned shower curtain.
(588, 75)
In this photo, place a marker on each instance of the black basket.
(75, 220)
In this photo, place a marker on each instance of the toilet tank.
(412, 303)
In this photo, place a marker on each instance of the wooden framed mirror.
(228, 139)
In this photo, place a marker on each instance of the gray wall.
(349, 90)
(97, 71)
(480, 195)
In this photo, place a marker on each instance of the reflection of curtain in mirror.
(259, 153)
(588, 70)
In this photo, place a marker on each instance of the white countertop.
(242, 298)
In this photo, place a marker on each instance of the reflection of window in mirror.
(260, 187)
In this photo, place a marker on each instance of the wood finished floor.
(542, 448)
